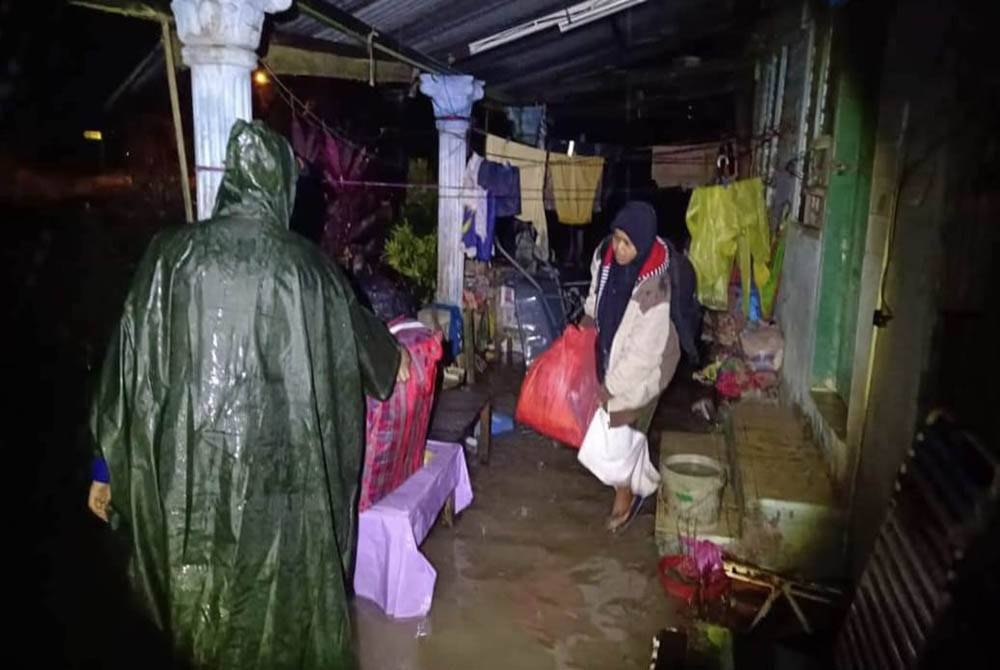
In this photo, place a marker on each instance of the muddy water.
(528, 578)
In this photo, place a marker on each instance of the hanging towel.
(531, 162)
(550, 199)
(575, 180)
(477, 231)
(726, 222)
(684, 166)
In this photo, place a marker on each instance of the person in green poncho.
(230, 417)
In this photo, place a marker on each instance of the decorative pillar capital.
(453, 97)
(222, 31)
(220, 39)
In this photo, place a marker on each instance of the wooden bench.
(457, 410)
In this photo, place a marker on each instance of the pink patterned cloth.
(397, 428)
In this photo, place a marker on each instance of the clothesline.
(660, 151)
(660, 157)
(657, 153)
(462, 192)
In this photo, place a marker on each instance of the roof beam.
(291, 60)
(138, 73)
(134, 10)
(349, 24)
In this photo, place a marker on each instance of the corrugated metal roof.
(306, 26)
(610, 68)
(387, 16)
(443, 29)
(398, 16)
(607, 69)
(430, 25)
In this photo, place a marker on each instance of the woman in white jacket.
(637, 354)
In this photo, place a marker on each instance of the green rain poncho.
(231, 414)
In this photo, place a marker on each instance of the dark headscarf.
(638, 221)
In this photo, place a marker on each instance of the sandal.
(615, 522)
(633, 512)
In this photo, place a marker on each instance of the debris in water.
(704, 408)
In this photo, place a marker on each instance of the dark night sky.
(58, 64)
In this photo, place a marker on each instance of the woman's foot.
(623, 498)
(620, 523)
(620, 508)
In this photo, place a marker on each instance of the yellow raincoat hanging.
(726, 221)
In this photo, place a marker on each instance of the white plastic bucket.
(693, 486)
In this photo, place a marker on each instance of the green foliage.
(414, 256)
(421, 211)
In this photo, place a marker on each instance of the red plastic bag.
(560, 393)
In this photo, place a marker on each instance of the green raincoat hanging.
(230, 412)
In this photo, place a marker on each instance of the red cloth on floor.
(680, 578)
(397, 428)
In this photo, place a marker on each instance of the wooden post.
(485, 432)
(495, 324)
(448, 513)
(469, 344)
(170, 64)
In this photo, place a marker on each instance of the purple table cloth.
(390, 569)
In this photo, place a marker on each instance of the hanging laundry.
(531, 163)
(575, 182)
(503, 183)
(684, 166)
(599, 194)
(769, 290)
(477, 227)
(528, 124)
(548, 199)
(727, 222)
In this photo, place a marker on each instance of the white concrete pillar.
(453, 96)
(220, 38)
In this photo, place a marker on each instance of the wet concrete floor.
(528, 577)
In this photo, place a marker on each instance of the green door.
(855, 107)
